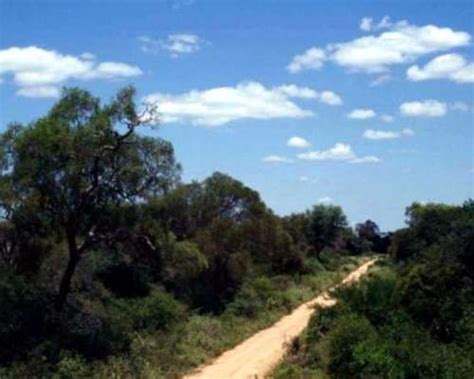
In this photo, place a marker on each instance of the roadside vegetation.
(111, 266)
(413, 317)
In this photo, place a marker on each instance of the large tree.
(74, 163)
(326, 222)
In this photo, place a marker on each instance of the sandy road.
(258, 355)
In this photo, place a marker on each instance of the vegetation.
(110, 266)
(412, 318)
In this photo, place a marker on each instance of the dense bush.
(412, 318)
(23, 316)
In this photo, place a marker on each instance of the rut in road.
(258, 355)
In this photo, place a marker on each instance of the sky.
(368, 105)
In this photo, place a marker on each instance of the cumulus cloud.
(367, 24)
(39, 91)
(361, 114)
(386, 118)
(459, 106)
(426, 108)
(448, 66)
(39, 72)
(379, 80)
(276, 159)
(311, 59)
(339, 152)
(367, 159)
(325, 200)
(402, 43)
(298, 142)
(246, 100)
(175, 45)
(326, 97)
(380, 134)
(383, 134)
(330, 98)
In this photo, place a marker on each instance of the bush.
(23, 316)
(355, 349)
(159, 310)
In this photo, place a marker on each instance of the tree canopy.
(82, 157)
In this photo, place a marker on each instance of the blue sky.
(378, 94)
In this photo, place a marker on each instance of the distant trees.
(371, 237)
(326, 222)
(69, 166)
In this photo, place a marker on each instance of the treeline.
(413, 318)
(100, 240)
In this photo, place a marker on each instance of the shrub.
(23, 316)
(159, 310)
(355, 349)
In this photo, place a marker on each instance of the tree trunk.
(65, 286)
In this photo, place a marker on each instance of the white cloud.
(38, 72)
(366, 24)
(220, 105)
(291, 90)
(448, 66)
(459, 106)
(386, 118)
(88, 56)
(426, 108)
(402, 43)
(330, 98)
(303, 178)
(110, 70)
(380, 134)
(383, 134)
(327, 97)
(361, 114)
(339, 152)
(379, 80)
(276, 159)
(298, 142)
(367, 159)
(311, 59)
(325, 200)
(39, 91)
(175, 45)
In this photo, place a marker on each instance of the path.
(258, 355)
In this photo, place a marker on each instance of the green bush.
(159, 310)
(355, 349)
(23, 316)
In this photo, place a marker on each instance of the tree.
(82, 157)
(326, 222)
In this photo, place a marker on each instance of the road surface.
(258, 355)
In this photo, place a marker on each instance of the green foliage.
(155, 312)
(411, 320)
(23, 316)
(326, 223)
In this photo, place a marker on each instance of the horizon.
(370, 109)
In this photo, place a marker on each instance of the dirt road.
(259, 354)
